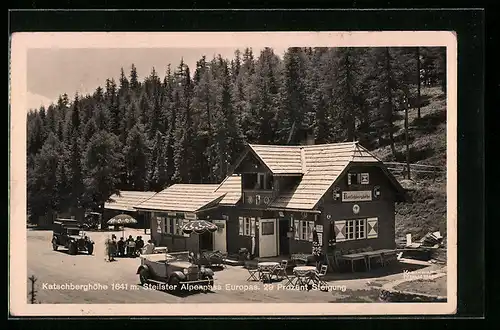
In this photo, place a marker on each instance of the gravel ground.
(117, 282)
(435, 287)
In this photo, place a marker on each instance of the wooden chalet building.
(171, 208)
(276, 195)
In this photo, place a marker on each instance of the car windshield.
(73, 231)
(178, 256)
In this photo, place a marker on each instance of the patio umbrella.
(122, 220)
(199, 227)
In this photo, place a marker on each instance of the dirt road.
(63, 278)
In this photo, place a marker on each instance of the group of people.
(127, 248)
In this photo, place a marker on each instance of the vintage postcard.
(233, 174)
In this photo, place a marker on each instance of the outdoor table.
(267, 267)
(372, 254)
(353, 257)
(385, 252)
(304, 272)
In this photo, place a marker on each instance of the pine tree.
(102, 164)
(294, 100)
(183, 156)
(42, 180)
(136, 154)
(75, 156)
(266, 97)
(158, 164)
(134, 80)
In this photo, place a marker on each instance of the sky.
(54, 71)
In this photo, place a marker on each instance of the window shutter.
(252, 227)
(340, 231)
(311, 227)
(372, 227)
(296, 224)
(159, 225)
(240, 219)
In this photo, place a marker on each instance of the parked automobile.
(174, 271)
(67, 233)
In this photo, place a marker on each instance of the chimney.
(306, 137)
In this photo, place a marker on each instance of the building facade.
(275, 196)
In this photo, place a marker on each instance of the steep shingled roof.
(127, 200)
(183, 198)
(231, 186)
(321, 166)
(279, 159)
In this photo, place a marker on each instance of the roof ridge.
(303, 160)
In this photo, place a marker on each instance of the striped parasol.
(199, 227)
(122, 220)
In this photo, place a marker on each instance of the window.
(353, 178)
(360, 229)
(355, 229)
(246, 231)
(247, 226)
(303, 230)
(172, 226)
(349, 230)
(178, 226)
(267, 228)
(249, 180)
(261, 181)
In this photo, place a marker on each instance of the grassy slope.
(427, 211)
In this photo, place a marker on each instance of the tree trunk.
(418, 81)
(406, 142)
(390, 109)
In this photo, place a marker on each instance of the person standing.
(107, 244)
(149, 247)
(112, 248)
(139, 244)
(121, 247)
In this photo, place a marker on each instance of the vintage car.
(174, 271)
(67, 233)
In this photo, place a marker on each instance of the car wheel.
(210, 282)
(72, 249)
(173, 282)
(90, 249)
(54, 245)
(143, 276)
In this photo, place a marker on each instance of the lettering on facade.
(356, 196)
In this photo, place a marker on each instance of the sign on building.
(356, 196)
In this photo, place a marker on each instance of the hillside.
(427, 137)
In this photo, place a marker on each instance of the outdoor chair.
(224, 258)
(280, 271)
(369, 249)
(319, 276)
(267, 273)
(338, 258)
(253, 272)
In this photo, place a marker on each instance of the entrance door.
(284, 242)
(267, 238)
(219, 236)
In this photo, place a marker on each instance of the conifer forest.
(188, 125)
